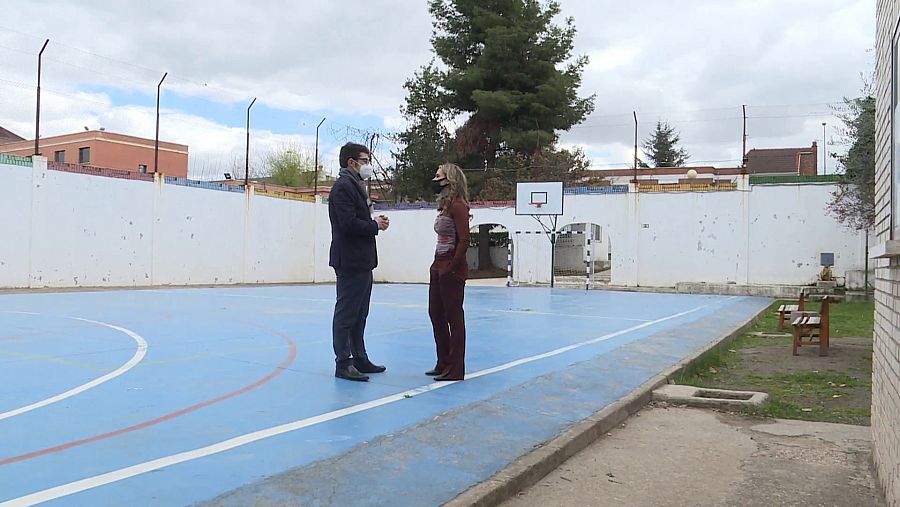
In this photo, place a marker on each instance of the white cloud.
(613, 57)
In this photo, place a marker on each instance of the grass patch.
(781, 409)
(809, 385)
(696, 372)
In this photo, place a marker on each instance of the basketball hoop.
(539, 198)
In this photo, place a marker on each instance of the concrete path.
(694, 457)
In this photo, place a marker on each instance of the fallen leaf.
(806, 409)
(843, 385)
(713, 370)
(836, 396)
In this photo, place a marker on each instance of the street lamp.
(316, 177)
(37, 113)
(824, 150)
(247, 162)
(156, 143)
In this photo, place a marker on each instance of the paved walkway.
(692, 457)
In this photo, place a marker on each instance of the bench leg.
(823, 343)
(780, 321)
(796, 340)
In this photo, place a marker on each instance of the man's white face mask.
(366, 171)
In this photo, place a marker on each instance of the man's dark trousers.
(354, 289)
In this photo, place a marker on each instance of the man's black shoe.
(367, 367)
(350, 373)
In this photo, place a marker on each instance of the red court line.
(75, 443)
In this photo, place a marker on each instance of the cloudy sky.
(692, 63)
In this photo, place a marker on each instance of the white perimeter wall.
(67, 230)
(756, 235)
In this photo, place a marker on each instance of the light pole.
(247, 162)
(316, 174)
(824, 150)
(37, 113)
(156, 143)
(635, 161)
(744, 138)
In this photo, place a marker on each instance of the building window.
(84, 155)
(59, 156)
(142, 168)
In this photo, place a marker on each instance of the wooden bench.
(811, 325)
(785, 310)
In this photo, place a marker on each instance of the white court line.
(135, 359)
(225, 445)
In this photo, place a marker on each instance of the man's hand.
(383, 222)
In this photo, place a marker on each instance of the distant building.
(9, 137)
(760, 162)
(781, 161)
(99, 148)
(662, 175)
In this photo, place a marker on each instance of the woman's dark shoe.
(446, 378)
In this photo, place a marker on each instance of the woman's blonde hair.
(457, 187)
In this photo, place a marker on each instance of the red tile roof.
(9, 137)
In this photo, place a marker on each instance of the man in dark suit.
(353, 257)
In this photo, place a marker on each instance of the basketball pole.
(550, 231)
(553, 251)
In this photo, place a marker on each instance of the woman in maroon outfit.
(448, 273)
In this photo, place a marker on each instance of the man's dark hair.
(351, 150)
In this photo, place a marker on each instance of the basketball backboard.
(539, 198)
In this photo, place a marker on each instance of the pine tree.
(425, 140)
(507, 70)
(661, 148)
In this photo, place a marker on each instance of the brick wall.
(886, 358)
